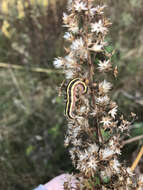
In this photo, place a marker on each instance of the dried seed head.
(94, 134)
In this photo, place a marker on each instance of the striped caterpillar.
(72, 92)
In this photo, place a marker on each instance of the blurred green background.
(32, 122)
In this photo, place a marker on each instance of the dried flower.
(104, 66)
(58, 63)
(106, 153)
(96, 47)
(99, 9)
(102, 100)
(98, 27)
(106, 121)
(69, 74)
(92, 163)
(68, 36)
(113, 112)
(115, 165)
(77, 44)
(104, 87)
(80, 6)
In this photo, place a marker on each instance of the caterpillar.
(71, 92)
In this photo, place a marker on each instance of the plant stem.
(137, 159)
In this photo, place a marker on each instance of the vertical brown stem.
(91, 74)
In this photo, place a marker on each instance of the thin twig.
(135, 163)
(17, 85)
(37, 69)
(133, 140)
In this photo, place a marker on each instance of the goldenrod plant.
(95, 128)
(17, 10)
(30, 23)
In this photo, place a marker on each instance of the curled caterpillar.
(71, 91)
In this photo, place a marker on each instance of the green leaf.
(96, 61)
(54, 131)
(97, 182)
(105, 134)
(106, 180)
(109, 48)
(29, 150)
(137, 130)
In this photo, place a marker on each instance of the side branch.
(132, 140)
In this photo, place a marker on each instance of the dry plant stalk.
(94, 131)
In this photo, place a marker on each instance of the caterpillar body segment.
(72, 92)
